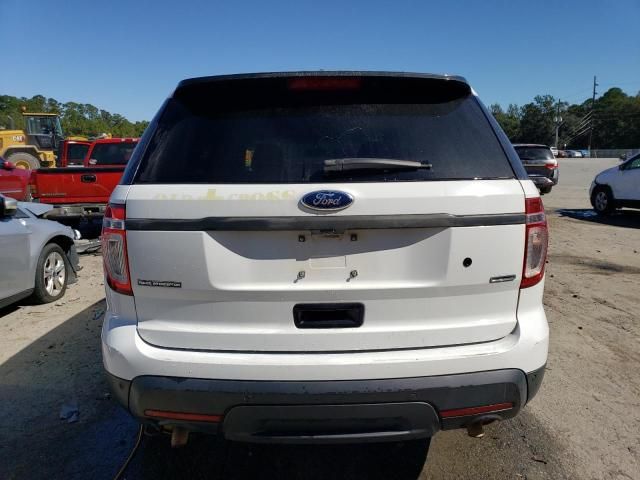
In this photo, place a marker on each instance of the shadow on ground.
(623, 218)
(64, 367)
(9, 309)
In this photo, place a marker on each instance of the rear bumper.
(424, 381)
(328, 411)
(542, 181)
(76, 211)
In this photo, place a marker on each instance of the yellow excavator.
(36, 146)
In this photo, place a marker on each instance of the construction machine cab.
(43, 130)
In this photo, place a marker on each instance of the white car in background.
(617, 187)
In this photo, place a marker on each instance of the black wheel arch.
(69, 248)
(603, 186)
(30, 149)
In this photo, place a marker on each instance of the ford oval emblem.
(327, 200)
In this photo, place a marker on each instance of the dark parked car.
(540, 164)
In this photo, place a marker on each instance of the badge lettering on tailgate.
(159, 283)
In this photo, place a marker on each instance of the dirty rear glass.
(198, 142)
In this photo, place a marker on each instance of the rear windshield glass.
(290, 144)
(534, 153)
(111, 153)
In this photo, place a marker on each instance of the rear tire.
(545, 190)
(52, 274)
(602, 200)
(24, 160)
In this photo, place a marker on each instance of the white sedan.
(37, 256)
(617, 187)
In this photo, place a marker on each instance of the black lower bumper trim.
(331, 423)
(330, 411)
(534, 380)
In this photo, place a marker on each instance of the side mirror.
(8, 166)
(8, 206)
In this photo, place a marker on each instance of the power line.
(593, 104)
(615, 84)
(581, 94)
(603, 114)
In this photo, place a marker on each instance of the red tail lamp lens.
(188, 417)
(464, 412)
(325, 83)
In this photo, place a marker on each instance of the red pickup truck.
(78, 192)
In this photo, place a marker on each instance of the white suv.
(324, 257)
(617, 187)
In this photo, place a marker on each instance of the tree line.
(77, 119)
(614, 118)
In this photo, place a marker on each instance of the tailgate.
(201, 284)
(75, 185)
(313, 213)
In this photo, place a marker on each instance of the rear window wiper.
(346, 164)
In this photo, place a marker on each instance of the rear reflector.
(324, 83)
(189, 417)
(464, 412)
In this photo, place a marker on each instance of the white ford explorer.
(324, 257)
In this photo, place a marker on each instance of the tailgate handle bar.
(328, 315)
(88, 178)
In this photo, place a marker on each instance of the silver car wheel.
(54, 274)
(602, 200)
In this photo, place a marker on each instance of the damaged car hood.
(38, 209)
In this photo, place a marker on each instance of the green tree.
(509, 120)
(77, 119)
(536, 123)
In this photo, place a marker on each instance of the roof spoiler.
(263, 90)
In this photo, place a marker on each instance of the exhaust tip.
(179, 437)
(475, 429)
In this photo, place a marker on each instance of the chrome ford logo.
(327, 200)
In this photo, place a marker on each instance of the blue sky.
(127, 56)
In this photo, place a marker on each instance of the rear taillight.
(114, 249)
(551, 165)
(536, 242)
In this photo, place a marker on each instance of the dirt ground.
(584, 423)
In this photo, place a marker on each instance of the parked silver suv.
(324, 257)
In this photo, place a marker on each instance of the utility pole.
(593, 104)
(558, 121)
